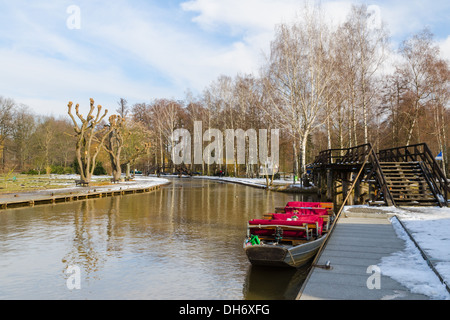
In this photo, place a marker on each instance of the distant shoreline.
(278, 185)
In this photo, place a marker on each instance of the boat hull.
(283, 256)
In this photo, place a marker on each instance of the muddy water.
(181, 242)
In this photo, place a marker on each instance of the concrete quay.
(360, 240)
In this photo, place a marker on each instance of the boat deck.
(356, 244)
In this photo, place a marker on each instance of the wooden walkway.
(34, 199)
(356, 244)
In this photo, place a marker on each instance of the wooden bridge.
(403, 176)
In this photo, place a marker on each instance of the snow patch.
(408, 266)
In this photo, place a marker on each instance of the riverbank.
(68, 191)
(278, 185)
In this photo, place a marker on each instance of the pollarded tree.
(114, 144)
(90, 137)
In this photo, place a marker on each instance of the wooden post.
(371, 191)
(357, 193)
(345, 183)
(330, 185)
(317, 180)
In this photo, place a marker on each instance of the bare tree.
(393, 94)
(195, 111)
(123, 108)
(440, 87)
(7, 107)
(89, 137)
(365, 43)
(299, 79)
(114, 144)
(419, 52)
(166, 115)
(22, 130)
(45, 138)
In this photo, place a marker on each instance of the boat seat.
(299, 210)
(328, 206)
(304, 204)
(300, 220)
(292, 229)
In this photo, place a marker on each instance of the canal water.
(183, 242)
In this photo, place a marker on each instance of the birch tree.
(365, 41)
(418, 52)
(299, 79)
(440, 87)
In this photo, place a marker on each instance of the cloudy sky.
(55, 51)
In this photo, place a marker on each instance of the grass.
(24, 183)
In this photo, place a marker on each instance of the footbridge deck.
(406, 175)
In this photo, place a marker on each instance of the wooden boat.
(290, 238)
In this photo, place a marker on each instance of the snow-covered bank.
(430, 228)
(247, 181)
(138, 182)
(142, 182)
(255, 182)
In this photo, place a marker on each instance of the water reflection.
(182, 242)
(268, 283)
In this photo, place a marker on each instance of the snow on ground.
(430, 228)
(410, 269)
(138, 182)
(248, 181)
(141, 182)
(255, 181)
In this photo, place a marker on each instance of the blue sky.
(141, 50)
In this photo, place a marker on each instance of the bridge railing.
(422, 154)
(343, 156)
(355, 156)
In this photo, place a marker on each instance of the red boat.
(290, 237)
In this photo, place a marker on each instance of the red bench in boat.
(308, 211)
(298, 228)
(320, 208)
(304, 204)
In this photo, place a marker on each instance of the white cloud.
(49, 82)
(253, 22)
(140, 50)
(445, 48)
(242, 16)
